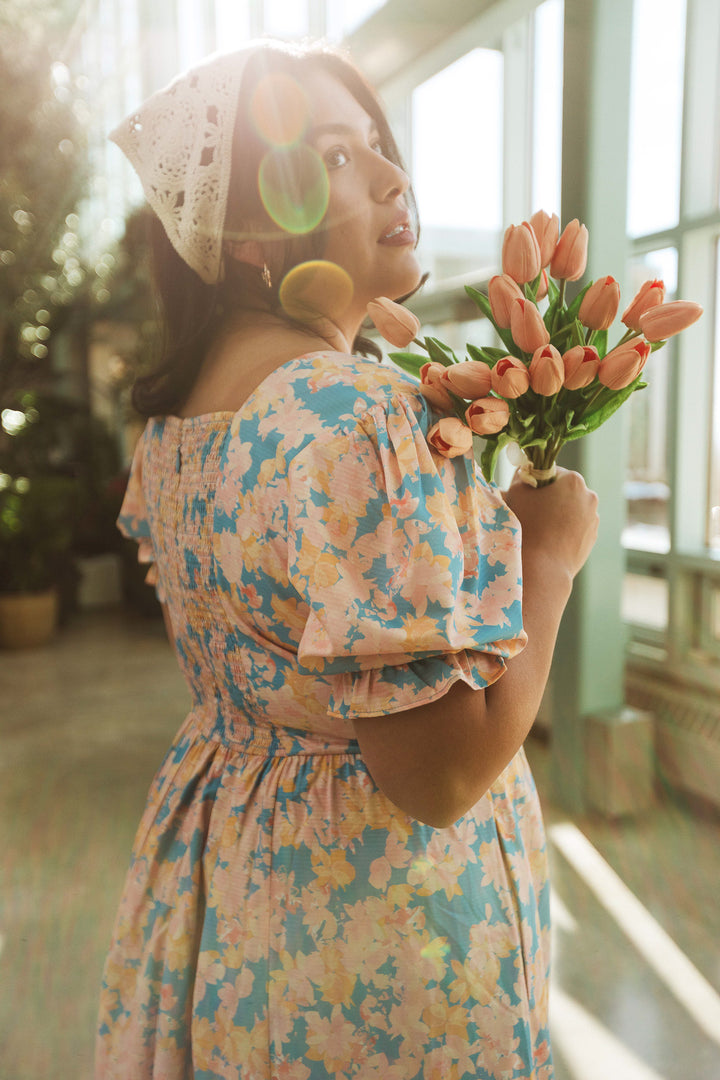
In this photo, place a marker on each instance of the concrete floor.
(84, 723)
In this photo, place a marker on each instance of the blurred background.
(605, 110)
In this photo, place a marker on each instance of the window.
(656, 105)
(286, 18)
(647, 490)
(457, 163)
(713, 525)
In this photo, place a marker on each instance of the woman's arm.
(435, 761)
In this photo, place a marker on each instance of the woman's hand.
(559, 521)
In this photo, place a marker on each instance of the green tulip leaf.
(409, 362)
(440, 352)
(604, 409)
(482, 302)
(486, 354)
(553, 291)
(575, 306)
(599, 340)
(491, 452)
(578, 333)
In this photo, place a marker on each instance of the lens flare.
(280, 110)
(316, 290)
(294, 187)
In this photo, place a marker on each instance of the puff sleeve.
(133, 520)
(408, 564)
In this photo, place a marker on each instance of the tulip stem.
(627, 335)
(558, 305)
(561, 293)
(416, 341)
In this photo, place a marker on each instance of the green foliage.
(43, 173)
(35, 532)
(60, 490)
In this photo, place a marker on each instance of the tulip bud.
(521, 253)
(394, 322)
(570, 257)
(510, 377)
(487, 416)
(664, 320)
(433, 387)
(502, 290)
(546, 230)
(600, 303)
(526, 326)
(623, 364)
(581, 365)
(650, 294)
(470, 379)
(542, 288)
(450, 437)
(546, 371)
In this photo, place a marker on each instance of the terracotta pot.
(27, 619)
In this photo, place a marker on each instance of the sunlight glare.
(661, 953)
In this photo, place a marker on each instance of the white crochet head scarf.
(180, 144)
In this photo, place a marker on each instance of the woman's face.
(367, 228)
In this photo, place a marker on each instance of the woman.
(341, 867)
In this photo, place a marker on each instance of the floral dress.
(281, 918)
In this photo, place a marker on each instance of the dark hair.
(188, 307)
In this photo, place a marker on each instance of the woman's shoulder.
(334, 387)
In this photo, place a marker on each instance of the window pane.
(645, 601)
(286, 18)
(457, 164)
(547, 105)
(714, 509)
(646, 485)
(344, 16)
(656, 100)
(232, 24)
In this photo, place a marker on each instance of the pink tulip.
(487, 415)
(502, 290)
(396, 324)
(623, 364)
(546, 229)
(542, 286)
(470, 379)
(664, 320)
(510, 377)
(546, 371)
(570, 257)
(600, 303)
(526, 326)
(650, 294)
(521, 253)
(433, 386)
(450, 437)
(581, 365)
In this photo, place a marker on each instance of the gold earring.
(266, 276)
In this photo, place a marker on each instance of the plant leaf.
(491, 453)
(600, 342)
(553, 291)
(486, 353)
(575, 306)
(409, 362)
(593, 420)
(440, 352)
(482, 302)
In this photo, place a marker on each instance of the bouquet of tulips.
(554, 379)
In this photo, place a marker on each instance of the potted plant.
(36, 533)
